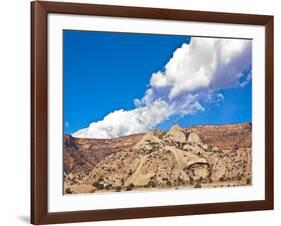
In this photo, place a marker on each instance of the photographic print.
(149, 112)
(146, 112)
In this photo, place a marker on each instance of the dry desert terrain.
(194, 157)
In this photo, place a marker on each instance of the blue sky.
(105, 71)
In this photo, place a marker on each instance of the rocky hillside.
(194, 157)
(225, 137)
(81, 155)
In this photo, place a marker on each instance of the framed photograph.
(148, 112)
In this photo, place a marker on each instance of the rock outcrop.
(177, 158)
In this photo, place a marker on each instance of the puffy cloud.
(195, 73)
(213, 97)
(186, 105)
(205, 63)
(121, 122)
(141, 119)
(246, 79)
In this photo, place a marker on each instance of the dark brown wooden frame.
(39, 112)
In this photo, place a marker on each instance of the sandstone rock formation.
(202, 156)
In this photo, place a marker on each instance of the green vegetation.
(118, 189)
(151, 184)
(130, 187)
(249, 181)
(222, 179)
(68, 191)
(168, 183)
(98, 185)
(197, 185)
(108, 186)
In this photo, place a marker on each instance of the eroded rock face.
(179, 157)
(151, 141)
(176, 135)
(82, 155)
(199, 172)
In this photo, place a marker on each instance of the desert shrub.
(168, 183)
(151, 184)
(130, 187)
(197, 185)
(191, 180)
(98, 185)
(180, 181)
(68, 191)
(130, 173)
(118, 189)
(222, 179)
(239, 177)
(249, 181)
(206, 180)
(108, 186)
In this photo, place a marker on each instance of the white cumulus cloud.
(205, 63)
(195, 73)
(121, 122)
